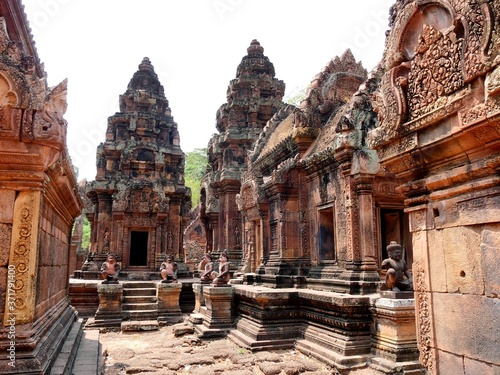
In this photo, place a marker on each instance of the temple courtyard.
(162, 352)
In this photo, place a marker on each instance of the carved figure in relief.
(397, 269)
(168, 270)
(223, 276)
(110, 270)
(105, 246)
(206, 267)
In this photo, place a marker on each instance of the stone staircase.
(80, 354)
(139, 306)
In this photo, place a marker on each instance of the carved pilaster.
(23, 257)
(423, 316)
(364, 187)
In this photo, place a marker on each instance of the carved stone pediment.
(433, 51)
(249, 196)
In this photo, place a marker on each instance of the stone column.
(394, 336)
(217, 314)
(364, 187)
(169, 311)
(109, 313)
(199, 301)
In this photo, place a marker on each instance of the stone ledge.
(143, 325)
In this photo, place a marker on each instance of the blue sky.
(195, 47)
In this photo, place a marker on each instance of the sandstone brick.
(473, 367)
(5, 235)
(473, 319)
(490, 243)
(449, 363)
(461, 252)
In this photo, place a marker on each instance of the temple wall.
(53, 259)
(443, 143)
(457, 275)
(39, 202)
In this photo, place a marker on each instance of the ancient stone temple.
(438, 131)
(38, 204)
(253, 97)
(318, 214)
(408, 153)
(314, 199)
(138, 202)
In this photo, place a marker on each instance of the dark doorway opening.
(326, 244)
(138, 249)
(395, 227)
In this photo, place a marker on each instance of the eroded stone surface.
(162, 353)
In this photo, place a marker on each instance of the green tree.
(194, 170)
(85, 233)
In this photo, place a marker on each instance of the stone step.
(139, 292)
(140, 315)
(331, 357)
(139, 299)
(139, 284)
(88, 358)
(140, 325)
(139, 306)
(67, 355)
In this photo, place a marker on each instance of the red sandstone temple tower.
(138, 200)
(253, 97)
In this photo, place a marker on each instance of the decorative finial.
(146, 65)
(255, 48)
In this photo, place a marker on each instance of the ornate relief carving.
(494, 42)
(8, 97)
(304, 220)
(248, 198)
(213, 204)
(423, 318)
(390, 102)
(435, 70)
(402, 145)
(323, 188)
(23, 255)
(477, 35)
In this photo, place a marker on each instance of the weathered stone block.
(5, 233)
(217, 314)
(472, 367)
(456, 260)
(7, 198)
(168, 302)
(199, 300)
(449, 363)
(395, 336)
(478, 333)
(490, 243)
(110, 297)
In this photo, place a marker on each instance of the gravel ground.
(162, 352)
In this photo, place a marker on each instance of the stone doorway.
(138, 252)
(395, 227)
(257, 246)
(326, 240)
